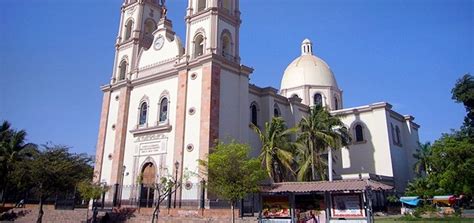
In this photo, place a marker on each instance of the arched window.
(150, 27)
(226, 45)
(359, 134)
(143, 113)
(198, 45)
(336, 103)
(123, 70)
(163, 110)
(318, 99)
(128, 30)
(397, 135)
(276, 111)
(201, 5)
(254, 114)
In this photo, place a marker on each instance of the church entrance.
(148, 180)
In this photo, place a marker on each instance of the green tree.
(318, 132)
(463, 92)
(450, 168)
(422, 155)
(232, 173)
(276, 152)
(453, 164)
(54, 169)
(13, 149)
(90, 191)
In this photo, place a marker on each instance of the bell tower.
(212, 27)
(138, 20)
(212, 84)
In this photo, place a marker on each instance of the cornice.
(361, 109)
(307, 86)
(117, 85)
(154, 77)
(126, 44)
(158, 128)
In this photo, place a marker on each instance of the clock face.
(159, 42)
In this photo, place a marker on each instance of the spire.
(306, 47)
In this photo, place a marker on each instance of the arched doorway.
(148, 180)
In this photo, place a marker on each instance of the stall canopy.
(410, 200)
(325, 186)
(448, 199)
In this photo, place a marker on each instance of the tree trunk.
(87, 214)
(40, 212)
(4, 191)
(313, 171)
(232, 208)
(155, 213)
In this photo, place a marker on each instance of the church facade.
(170, 99)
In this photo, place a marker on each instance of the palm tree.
(12, 150)
(319, 131)
(276, 154)
(423, 154)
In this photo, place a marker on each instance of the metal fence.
(194, 196)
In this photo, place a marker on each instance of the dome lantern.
(306, 47)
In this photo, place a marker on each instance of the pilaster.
(120, 135)
(180, 125)
(210, 100)
(101, 138)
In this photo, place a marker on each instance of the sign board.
(347, 206)
(155, 147)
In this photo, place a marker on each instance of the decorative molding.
(150, 137)
(154, 129)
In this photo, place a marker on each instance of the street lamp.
(176, 166)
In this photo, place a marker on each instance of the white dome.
(308, 70)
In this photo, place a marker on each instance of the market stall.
(319, 201)
(409, 204)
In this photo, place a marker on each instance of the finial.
(307, 47)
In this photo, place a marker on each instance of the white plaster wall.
(412, 139)
(109, 138)
(192, 128)
(169, 51)
(244, 109)
(230, 117)
(371, 156)
(299, 92)
(153, 91)
(402, 155)
(254, 141)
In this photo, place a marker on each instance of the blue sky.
(54, 55)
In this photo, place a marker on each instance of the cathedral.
(170, 98)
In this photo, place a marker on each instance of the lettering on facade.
(156, 147)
